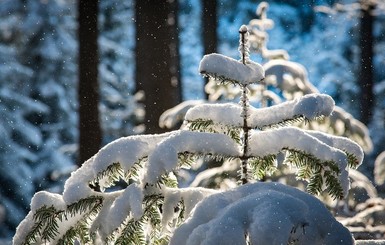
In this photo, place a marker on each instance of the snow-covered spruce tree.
(119, 108)
(37, 44)
(153, 210)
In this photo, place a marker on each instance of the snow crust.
(271, 213)
(310, 106)
(217, 65)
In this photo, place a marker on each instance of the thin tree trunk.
(157, 58)
(90, 135)
(209, 21)
(365, 77)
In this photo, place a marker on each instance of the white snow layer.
(309, 106)
(223, 67)
(270, 213)
(342, 143)
(164, 158)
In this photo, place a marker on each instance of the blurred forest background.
(75, 75)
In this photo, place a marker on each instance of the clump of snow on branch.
(227, 69)
(268, 213)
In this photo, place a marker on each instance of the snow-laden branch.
(309, 106)
(228, 69)
(164, 158)
(126, 151)
(271, 142)
(341, 143)
(268, 213)
(39, 200)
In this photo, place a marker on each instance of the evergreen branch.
(91, 203)
(187, 159)
(45, 227)
(166, 180)
(133, 233)
(353, 162)
(89, 206)
(260, 166)
(133, 174)
(209, 126)
(153, 216)
(234, 133)
(333, 185)
(115, 173)
(200, 125)
(315, 184)
(285, 122)
(219, 78)
(112, 174)
(69, 237)
(316, 172)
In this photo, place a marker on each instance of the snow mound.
(269, 213)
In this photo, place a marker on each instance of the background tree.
(366, 56)
(37, 87)
(157, 58)
(90, 135)
(121, 114)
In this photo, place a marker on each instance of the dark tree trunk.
(90, 135)
(157, 58)
(365, 76)
(209, 21)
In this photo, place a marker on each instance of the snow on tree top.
(227, 69)
(243, 28)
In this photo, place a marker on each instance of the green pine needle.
(262, 166)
